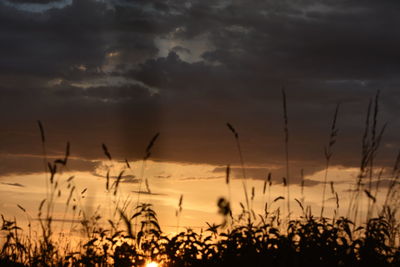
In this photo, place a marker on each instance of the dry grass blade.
(299, 202)
(395, 177)
(379, 138)
(127, 164)
(117, 182)
(147, 186)
(41, 206)
(337, 200)
(42, 136)
(70, 195)
(396, 164)
(21, 208)
(328, 155)
(365, 142)
(369, 195)
(108, 180)
(178, 212)
(151, 143)
(127, 223)
(365, 155)
(286, 132)
(235, 133)
(228, 172)
(67, 151)
(378, 182)
(278, 198)
(180, 203)
(147, 156)
(264, 187)
(375, 143)
(106, 152)
(53, 171)
(375, 140)
(65, 160)
(285, 116)
(375, 118)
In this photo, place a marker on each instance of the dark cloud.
(200, 178)
(124, 178)
(163, 176)
(13, 184)
(52, 43)
(277, 174)
(33, 1)
(178, 49)
(117, 72)
(117, 94)
(28, 164)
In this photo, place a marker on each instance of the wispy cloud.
(13, 184)
(149, 193)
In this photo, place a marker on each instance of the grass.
(133, 237)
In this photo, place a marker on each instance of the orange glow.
(152, 264)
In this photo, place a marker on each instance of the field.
(133, 236)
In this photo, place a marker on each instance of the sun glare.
(152, 264)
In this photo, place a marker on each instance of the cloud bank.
(117, 72)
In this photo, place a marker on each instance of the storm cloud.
(117, 72)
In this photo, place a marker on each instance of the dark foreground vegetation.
(133, 236)
(307, 242)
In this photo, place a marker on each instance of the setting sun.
(152, 264)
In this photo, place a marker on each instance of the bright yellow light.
(152, 264)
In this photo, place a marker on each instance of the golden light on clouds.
(200, 184)
(152, 264)
(113, 54)
(81, 67)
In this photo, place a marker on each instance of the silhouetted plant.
(244, 239)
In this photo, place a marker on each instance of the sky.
(117, 72)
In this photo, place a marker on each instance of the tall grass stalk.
(179, 212)
(108, 177)
(302, 185)
(144, 161)
(244, 178)
(328, 155)
(376, 138)
(228, 182)
(365, 152)
(44, 154)
(286, 133)
(394, 179)
(370, 144)
(373, 150)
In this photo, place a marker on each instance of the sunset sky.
(117, 72)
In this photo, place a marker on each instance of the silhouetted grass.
(133, 236)
(307, 241)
